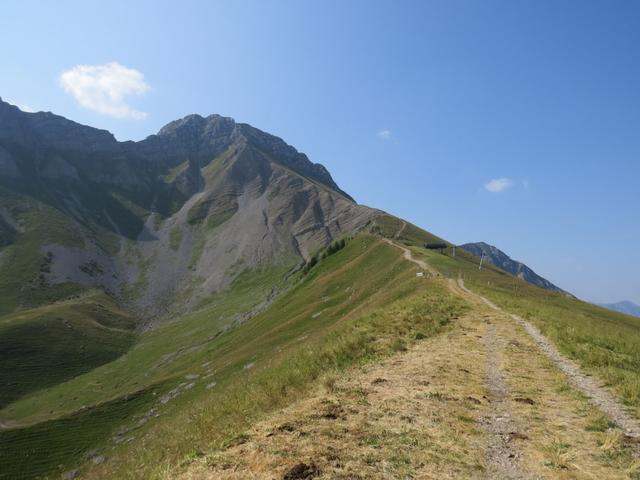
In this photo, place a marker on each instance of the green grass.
(354, 306)
(214, 211)
(68, 419)
(217, 218)
(409, 234)
(52, 344)
(50, 448)
(170, 350)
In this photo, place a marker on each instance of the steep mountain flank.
(166, 221)
(506, 263)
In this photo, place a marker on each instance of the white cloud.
(498, 184)
(384, 134)
(105, 88)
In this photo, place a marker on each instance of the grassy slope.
(168, 351)
(325, 321)
(362, 302)
(47, 449)
(52, 344)
(605, 343)
(22, 262)
(70, 419)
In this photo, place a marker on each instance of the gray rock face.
(136, 165)
(200, 139)
(44, 129)
(506, 263)
(8, 166)
(164, 223)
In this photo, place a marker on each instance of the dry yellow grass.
(413, 416)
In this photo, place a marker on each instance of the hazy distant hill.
(625, 306)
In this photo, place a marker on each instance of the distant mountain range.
(501, 260)
(625, 306)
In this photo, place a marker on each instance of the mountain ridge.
(500, 259)
(212, 197)
(197, 136)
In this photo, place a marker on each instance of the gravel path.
(611, 407)
(408, 256)
(502, 453)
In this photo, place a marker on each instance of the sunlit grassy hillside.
(355, 304)
(55, 343)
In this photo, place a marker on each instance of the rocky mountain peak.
(47, 130)
(202, 138)
(194, 138)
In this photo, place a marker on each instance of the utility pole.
(454, 251)
(481, 258)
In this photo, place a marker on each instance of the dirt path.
(502, 453)
(406, 253)
(479, 401)
(612, 408)
(400, 230)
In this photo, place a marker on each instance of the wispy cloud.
(105, 88)
(384, 134)
(497, 185)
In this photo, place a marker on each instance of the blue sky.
(414, 107)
